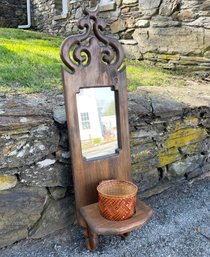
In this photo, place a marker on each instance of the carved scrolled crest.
(78, 51)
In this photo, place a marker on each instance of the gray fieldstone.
(149, 40)
(118, 26)
(78, 13)
(167, 7)
(130, 22)
(20, 208)
(207, 54)
(164, 22)
(185, 15)
(149, 7)
(185, 60)
(56, 215)
(110, 16)
(57, 192)
(46, 173)
(132, 51)
(192, 4)
(142, 23)
(185, 166)
(206, 39)
(125, 9)
(154, 101)
(200, 22)
(146, 181)
(59, 114)
(205, 6)
(107, 6)
(128, 42)
(149, 4)
(138, 105)
(129, 1)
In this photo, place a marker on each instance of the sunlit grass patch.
(140, 74)
(29, 60)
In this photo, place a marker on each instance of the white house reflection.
(97, 121)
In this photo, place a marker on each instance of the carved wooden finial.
(78, 51)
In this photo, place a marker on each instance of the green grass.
(30, 62)
(141, 74)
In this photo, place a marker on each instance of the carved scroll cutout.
(79, 50)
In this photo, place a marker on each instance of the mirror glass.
(97, 121)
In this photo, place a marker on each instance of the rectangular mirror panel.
(97, 121)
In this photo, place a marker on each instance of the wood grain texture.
(101, 68)
(101, 226)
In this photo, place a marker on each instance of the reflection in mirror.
(97, 121)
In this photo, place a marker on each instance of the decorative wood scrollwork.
(79, 51)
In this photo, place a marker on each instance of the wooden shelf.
(101, 226)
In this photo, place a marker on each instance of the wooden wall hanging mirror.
(95, 91)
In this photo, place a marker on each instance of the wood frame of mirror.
(95, 60)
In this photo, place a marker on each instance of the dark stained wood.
(96, 73)
(91, 239)
(102, 67)
(101, 226)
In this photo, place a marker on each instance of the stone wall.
(48, 18)
(169, 129)
(34, 176)
(12, 13)
(170, 144)
(174, 34)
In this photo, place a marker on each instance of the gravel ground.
(180, 227)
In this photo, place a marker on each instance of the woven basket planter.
(117, 199)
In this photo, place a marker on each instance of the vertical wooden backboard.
(94, 60)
